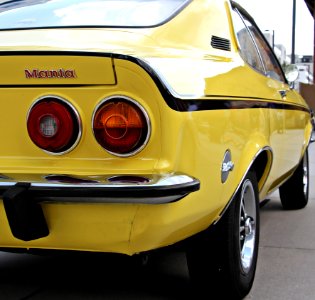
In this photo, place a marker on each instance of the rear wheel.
(294, 192)
(222, 260)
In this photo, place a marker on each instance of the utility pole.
(314, 44)
(293, 33)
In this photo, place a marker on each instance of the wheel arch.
(261, 165)
(260, 162)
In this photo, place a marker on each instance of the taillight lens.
(53, 125)
(121, 126)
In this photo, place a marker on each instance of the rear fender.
(257, 156)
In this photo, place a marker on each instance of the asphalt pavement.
(285, 270)
(286, 263)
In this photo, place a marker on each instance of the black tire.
(217, 264)
(294, 192)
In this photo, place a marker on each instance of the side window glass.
(247, 46)
(272, 66)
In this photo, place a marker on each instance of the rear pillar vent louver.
(220, 43)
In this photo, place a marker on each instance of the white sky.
(277, 15)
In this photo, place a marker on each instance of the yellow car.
(128, 126)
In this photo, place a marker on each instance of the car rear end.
(98, 154)
(83, 148)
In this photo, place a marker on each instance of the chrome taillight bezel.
(76, 118)
(146, 117)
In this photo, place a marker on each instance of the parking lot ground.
(285, 270)
(286, 263)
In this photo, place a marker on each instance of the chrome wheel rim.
(247, 228)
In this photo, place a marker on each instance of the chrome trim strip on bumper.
(157, 189)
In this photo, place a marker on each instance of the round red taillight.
(53, 125)
(121, 126)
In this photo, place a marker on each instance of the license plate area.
(25, 216)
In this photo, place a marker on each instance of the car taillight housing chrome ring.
(54, 125)
(121, 126)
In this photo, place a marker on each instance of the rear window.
(85, 13)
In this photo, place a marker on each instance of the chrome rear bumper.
(26, 218)
(148, 189)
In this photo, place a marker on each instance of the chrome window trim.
(253, 40)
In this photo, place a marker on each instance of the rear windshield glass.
(70, 13)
